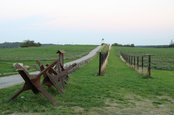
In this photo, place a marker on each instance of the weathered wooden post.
(61, 56)
(142, 63)
(137, 62)
(149, 65)
(100, 63)
(134, 61)
(129, 59)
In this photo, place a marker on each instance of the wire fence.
(141, 63)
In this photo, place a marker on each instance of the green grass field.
(45, 54)
(162, 59)
(120, 91)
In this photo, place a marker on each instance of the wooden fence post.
(134, 61)
(149, 65)
(131, 60)
(142, 63)
(100, 63)
(61, 56)
(137, 62)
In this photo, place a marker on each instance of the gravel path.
(16, 79)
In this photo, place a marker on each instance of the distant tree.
(30, 43)
(132, 45)
(116, 44)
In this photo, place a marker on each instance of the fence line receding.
(141, 63)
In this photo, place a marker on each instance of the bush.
(121, 45)
(30, 43)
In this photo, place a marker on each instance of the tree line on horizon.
(32, 43)
(125, 45)
(171, 45)
(25, 43)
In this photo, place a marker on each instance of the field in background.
(162, 59)
(120, 91)
(45, 54)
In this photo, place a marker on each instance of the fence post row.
(134, 61)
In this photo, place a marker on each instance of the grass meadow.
(120, 91)
(45, 54)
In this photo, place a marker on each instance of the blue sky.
(142, 22)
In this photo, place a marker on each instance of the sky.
(141, 22)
